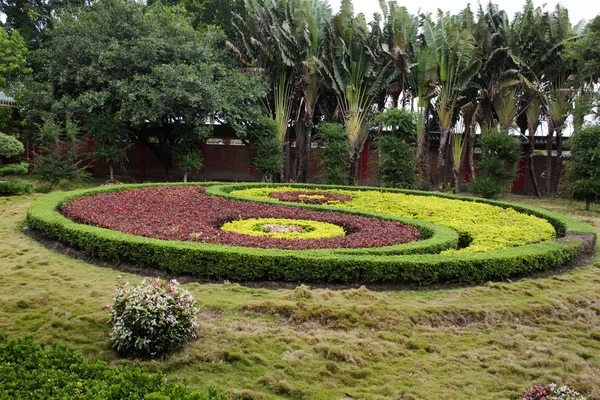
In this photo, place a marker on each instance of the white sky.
(578, 9)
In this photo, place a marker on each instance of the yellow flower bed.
(489, 227)
(310, 229)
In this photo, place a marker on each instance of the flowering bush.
(552, 392)
(185, 213)
(152, 318)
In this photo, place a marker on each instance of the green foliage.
(499, 154)
(335, 154)
(52, 168)
(153, 318)
(269, 154)
(14, 169)
(584, 53)
(111, 140)
(59, 158)
(190, 160)
(310, 229)
(494, 228)
(583, 170)
(397, 263)
(14, 188)
(13, 65)
(30, 370)
(486, 186)
(144, 68)
(10, 146)
(398, 163)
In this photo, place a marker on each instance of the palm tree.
(459, 61)
(356, 72)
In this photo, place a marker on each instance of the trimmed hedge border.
(393, 263)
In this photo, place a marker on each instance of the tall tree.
(357, 72)
(459, 60)
(149, 69)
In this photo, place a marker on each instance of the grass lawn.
(491, 341)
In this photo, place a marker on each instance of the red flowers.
(185, 213)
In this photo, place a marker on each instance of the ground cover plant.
(33, 371)
(484, 226)
(323, 343)
(284, 228)
(184, 213)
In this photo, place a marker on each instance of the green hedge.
(14, 188)
(209, 261)
(36, 371)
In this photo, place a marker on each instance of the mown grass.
(492, 341)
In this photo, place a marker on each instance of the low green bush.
(14, 188)
(14, 169)
(210, 261)
(35, 371)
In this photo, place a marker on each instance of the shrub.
(486, 186)
(153, 318)
(499, 153)
(52, 168)
(552, 392)
(14, 169)
(10, 146)
(398, 163)
(14, 188)
(334, 154)
(269, 151)
(36, 371)
(583, 170)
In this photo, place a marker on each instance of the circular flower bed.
(283, 228)
(311, 197)
(185, 213)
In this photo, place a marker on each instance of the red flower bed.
(185, 213)
(306, 196)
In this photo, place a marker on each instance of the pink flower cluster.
(186, 213)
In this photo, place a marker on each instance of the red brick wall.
(228, 162)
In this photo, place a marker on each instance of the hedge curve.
(414, 262)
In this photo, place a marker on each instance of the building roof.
(7, 101)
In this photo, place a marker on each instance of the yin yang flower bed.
(186, 213)
(309, 233)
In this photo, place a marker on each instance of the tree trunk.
(353, 175)
(530, 164)
(587, 205)
(111, 172)
(456, 175)
(549, 161)
(441, 161)
(557, 163)
(185, 173)
(284, 174)
(471, 153)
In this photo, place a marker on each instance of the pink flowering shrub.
(152, 318)
(552, 392)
